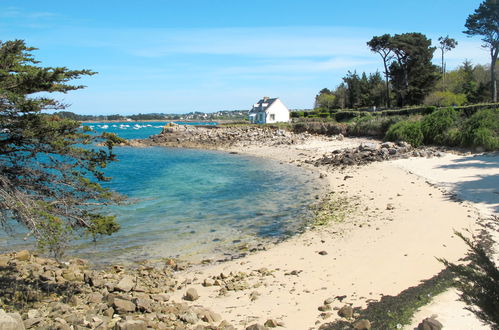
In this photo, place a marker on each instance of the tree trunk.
(493, 78)
(443, 71)
(387, 85)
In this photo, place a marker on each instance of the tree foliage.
(412, 73)
(381, 45)
(49, 168)
(485, 22)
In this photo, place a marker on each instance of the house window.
(272, 116)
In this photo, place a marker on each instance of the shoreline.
(400, 221)
(356, 231)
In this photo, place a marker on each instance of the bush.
(373, 125)
(408, 131)
(478, 283)
(435, 125)
(445, 99)
(347, 115)
(481, 130)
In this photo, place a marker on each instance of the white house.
(268, 111)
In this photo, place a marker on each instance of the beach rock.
(189, 317)
(125, 284)
(325, 308)
(207, 282)
(390, 206)
(191, 295)
(143, 304)
(95, 297)
(10, 321)
(362, 324)
(430, 323)
(210, 316)
(94, 280)
(322, 253)
(328, 301)
(123, 306)
(23, 255)
(160, 297)
(271, 323)
(257, 326)
(29, 323)
(368, 147)
(346, 311)
(131, 325)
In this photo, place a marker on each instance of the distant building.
(268, 111)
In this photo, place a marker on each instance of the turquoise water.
(195, 204)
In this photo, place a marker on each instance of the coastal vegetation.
(50, 173)
(478, 281)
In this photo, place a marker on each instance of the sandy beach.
(387, 223)
(402, 216)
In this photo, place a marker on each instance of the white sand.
(375, 251)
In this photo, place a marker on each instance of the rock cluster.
(50, 295)
(223, 137)
(373, 152)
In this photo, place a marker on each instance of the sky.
(175, 56)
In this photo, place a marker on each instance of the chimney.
(265, 98)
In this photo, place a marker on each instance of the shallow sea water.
(195, 204)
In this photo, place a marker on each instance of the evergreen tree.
(412, 74)
(485, 22)
(49, 173)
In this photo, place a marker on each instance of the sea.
(193, 204)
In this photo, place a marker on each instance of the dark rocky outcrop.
(373, 152)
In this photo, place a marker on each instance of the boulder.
(160, 297)
(362, 324)
(123, 305)
(143, 304)
(125, 284)
(325, 308)
(10, 321)
(23, 255)
(271, 323)
(257, 326)
(189, 317)
(430, 323)
(346, 311)
(191, 295)
(131, 325)
(210, 316)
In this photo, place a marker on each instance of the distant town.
(191, 116)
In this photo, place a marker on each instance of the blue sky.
(181, 56)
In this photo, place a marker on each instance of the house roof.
(263, 104)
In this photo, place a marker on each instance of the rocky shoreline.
(221, 137)
(367, 153)
(41, 293)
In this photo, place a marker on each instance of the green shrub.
(408, 131)
(481, 130)
(445, 99)
(373, 125)
(435, 125)
(347, 115)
